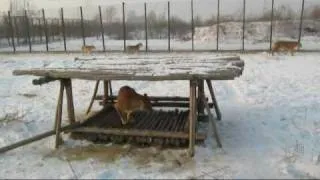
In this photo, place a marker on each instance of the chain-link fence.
(194, 25)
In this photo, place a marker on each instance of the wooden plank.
(70, 108)
(93, 96)
(200, 92)
(214, 100)
(36, 138)
(136, 132)
(105, 91)
(163, 104)
(59, 114)
(152, 98)
(192, 117)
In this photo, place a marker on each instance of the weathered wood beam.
(36, 138)
(70, 105)
(105, 91)
(59, 114)
(199, 96)
(136, 132)
(43, 80)
(93, 96)
(152, 98)
(164, 104)
(214, 100)
(219, 74)
(213, 122)
(192, 117)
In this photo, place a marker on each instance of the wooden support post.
(68, 86)
(200, 92)
(59, 114)
(93, 96)
(214, 126)
(192, 117)
(36, 138)
(110, 91)
(214, 100)
(105, 91)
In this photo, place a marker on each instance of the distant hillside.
(257, 31)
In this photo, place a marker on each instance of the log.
(167, 104)
(105, 91)
(70, 105)
(152, 98)
(136, 132)
(200, 91)
(43, 80)
(36, 138)
(59, 114)
(93, 96)
(192, 117)
(214, 100)
(228, 73)
(214, 126)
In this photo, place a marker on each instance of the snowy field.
(270, 125)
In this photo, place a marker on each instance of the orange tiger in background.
(134, 49)
(291, 46)
(87, 49)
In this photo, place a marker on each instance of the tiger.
(291, 46)
(87, 49)
(128, 101)
(134, 49)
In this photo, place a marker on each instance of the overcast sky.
(178, 7)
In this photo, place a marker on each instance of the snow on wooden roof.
(143, 67)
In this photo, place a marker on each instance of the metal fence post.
(169, 48)
(12, 32)
(102, 30)
(45, 29)
(63, 31)
(146, 25)
(39, 29)
(218, 22)
(271, 25)
(244, 23)
(301, 21)
(124, 28)
(28, 30)
(192, 27)
(82, 27)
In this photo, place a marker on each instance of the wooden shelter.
(195, 70)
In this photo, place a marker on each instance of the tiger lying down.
(128, 101)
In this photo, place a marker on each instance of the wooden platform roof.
(143, 67)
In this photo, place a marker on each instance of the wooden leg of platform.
(192, 117)
(70, 105)
(200, 92)
(214, 100)
(105, 91)
(214, 126)
(93, 96)
(59, 115)
(110, 91)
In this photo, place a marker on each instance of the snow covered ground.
(270, 126)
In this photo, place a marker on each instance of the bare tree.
(111, 12)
